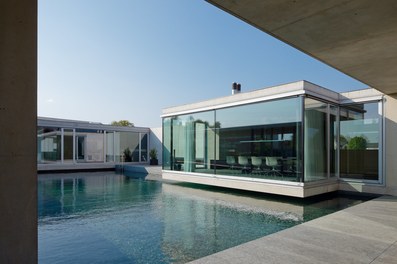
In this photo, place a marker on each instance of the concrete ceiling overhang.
(357, 37)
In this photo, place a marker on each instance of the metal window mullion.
(382, 145)
(172, 144)
(215, 132)
(328, 134)
(74, 146)
(148, 146)
(337, 156)
(62, 144)
(114, 146)
(302, 150)
(139, 147)
(104, 146)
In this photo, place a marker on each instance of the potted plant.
(153, 157)
(127, 155)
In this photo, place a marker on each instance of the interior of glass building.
(300, 138)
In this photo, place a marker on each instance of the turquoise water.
(110, 218)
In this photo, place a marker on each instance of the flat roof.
(275, 92)
(66, 123)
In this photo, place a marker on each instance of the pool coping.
(364, 233)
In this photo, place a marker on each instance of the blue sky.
(102, 60)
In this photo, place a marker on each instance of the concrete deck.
(73, 167)
(138, 168)
(146, 169)
(366, 233)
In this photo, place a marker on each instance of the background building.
(70, 144)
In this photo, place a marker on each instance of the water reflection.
(197, 220)
(83, 193)
(105, 217)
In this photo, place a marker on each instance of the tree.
(357, 143)
(124, 123)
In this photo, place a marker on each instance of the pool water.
(109, 218)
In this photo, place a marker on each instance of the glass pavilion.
(298, 136)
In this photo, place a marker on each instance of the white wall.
(155, 141)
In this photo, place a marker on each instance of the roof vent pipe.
(236, 88)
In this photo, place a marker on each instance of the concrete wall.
(18, 113)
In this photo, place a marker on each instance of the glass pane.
(109, 147)
(127, 146)
(315, 140)
(192, 142)
(68, 146)
(89, 145)
(167, 143)
(359, 141)
(260, 140)
(144, 148)
(48, 145)
(333, 152)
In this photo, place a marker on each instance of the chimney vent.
(236, 88)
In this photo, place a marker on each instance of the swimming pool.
(104, 217)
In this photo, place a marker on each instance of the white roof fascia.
(74, 124)
(266, 94)
(360, 96)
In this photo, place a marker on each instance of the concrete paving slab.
(348, 223)
(389, 256)
(365, 233)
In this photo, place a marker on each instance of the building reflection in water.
(155, 222)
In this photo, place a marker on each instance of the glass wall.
(191, 146)
(272, 140)
(89, 145)
(321, 137)
(360, 138)
(144, 148)
(260, 140)
(110, 154)
(316, 140)
(65, 145)
(333, 139)
(167, 143)
(48, 145)
(127, 146)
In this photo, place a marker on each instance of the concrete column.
(18, 113)
(391, 144)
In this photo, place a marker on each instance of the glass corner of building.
(296, 139)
